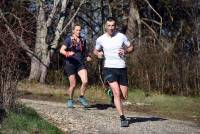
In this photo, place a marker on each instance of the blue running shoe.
(83, 101)
(70, 103)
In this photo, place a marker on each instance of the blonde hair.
(74, 25)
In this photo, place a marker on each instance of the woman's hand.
(69, 53)
(88, 58)
(100, 54)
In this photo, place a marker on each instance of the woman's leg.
(72, 85)
(84, 79)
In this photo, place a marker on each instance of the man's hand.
(121, 52)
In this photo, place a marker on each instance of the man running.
(114, 46)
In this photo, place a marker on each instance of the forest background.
(166, 35)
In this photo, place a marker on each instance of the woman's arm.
(98, 53)
(64, 52)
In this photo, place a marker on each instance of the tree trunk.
(134, 28)
(40, 64)
(44, 67)
(8, 84)
(39, 67)
(9, 94)
(35, 71)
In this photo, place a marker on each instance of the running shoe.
(124, 123)
(70, 103)
(83, 101)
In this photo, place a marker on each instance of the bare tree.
(167, 59)
(9, 69)
(43, 50)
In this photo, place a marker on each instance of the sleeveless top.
(79, 48)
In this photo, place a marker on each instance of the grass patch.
(179, 107)
(34, 90)
(97, 94)
(26, 120)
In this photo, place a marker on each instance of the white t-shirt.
(110, 47)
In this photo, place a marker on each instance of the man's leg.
(124, 90)
(118, 102)
(117, 97)
(123, 81)
(111, 75)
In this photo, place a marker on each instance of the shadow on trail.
(144, 119)
(2, 114)
(101, 106)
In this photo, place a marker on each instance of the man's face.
(110, 27)
(77, 31)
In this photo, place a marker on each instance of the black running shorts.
(72, 67)
(116, 74)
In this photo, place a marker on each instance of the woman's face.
(77, 31)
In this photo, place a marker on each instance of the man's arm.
(129, 49)
(125, 50)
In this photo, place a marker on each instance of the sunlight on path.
(101, 119)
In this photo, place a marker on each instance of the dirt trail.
(102, 119)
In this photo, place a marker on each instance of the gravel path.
(100, 119)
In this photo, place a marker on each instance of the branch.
(149, 28)
(156, 14)
(59, 30)
(88, 17)
(16, 38)
(17, 18)
(24, 45)
(50, 18)
(81, 3)
(19, 21)
(3, 41)
(54, 44)
(156, 22)
(19, 40)
(88, 24)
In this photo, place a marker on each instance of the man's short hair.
(111, 19)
